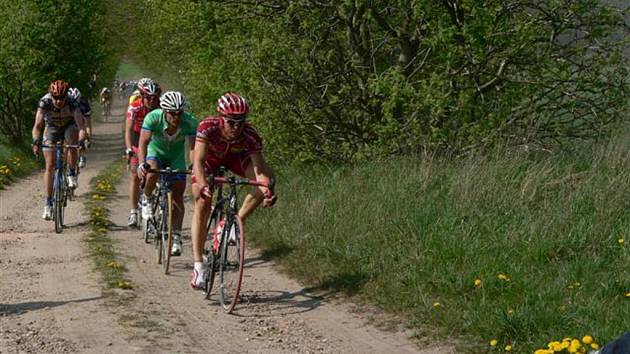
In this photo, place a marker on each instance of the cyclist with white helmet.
(136, 112)
(225, 140)
(86, 111)
(165, 132)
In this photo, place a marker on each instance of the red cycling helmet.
(58, 88)
(232, 104)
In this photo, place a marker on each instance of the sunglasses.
(235, 122)
(59, 98)
(150, 97)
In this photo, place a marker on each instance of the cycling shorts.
(68, 134)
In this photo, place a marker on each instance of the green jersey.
(169, 150)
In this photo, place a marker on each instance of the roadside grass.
(520, 249)
(14, 162)
(100, 247)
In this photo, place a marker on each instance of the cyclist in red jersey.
(150, 92)
(225, 140)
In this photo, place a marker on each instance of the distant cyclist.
(226, 139)
(86, 111)
(150, 93)
(106, 101)
(165, 132)
(61, 120)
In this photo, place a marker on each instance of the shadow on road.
(21, 308)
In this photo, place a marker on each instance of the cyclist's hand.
(37, 146)
(270, 199)
(87, 142)
(129, 153)
(205, 192)
(142, 169)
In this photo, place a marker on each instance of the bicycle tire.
(168, 242)
(231, 265)
(210, 256)
(58, 201)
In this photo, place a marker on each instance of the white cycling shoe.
(176, 250)
(147, 208)
(72, 182)
(48, 212)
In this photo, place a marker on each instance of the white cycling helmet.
(74, 93)
(145, 81)
(172, 101)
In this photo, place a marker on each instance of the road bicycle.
(61, 192)
(159, 226)
(224, 248)
(107, 105)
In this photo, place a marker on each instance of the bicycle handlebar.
(243, 181)
(168, 171)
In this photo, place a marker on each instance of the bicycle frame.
(61, 192)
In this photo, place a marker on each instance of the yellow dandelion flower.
(437, 304)
(477, 282)
(621, 241)
(510, 311)
(627, 294)
(587, 339)
(502, 276)
(508, 348)
(595, 346)
(493, 343)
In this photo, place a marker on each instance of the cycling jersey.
(85, 108)
(59, 123)
(135, 114)
(134, 98)
(168, 149)
(235, 154)
(58, 117)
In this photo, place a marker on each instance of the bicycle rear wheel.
(231, 264)
(209, 253)
(59, 197)
(168, 240)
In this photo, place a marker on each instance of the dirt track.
(52, 302)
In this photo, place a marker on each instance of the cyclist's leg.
(242, 166)
(201, 214)
(50, 136)
(134, 181)
(71, 136)
(151, 178)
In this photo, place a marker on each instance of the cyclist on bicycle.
(136, 112)
(60, 118)
(163, 144)
(225, 140)
(106, 100)
(86, 111)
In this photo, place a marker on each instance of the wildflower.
(437, 304)
(587, 339)
(503, 276)
(508, 348)
(627, 294)
(493, 342)
(477, 282)
(595, 346)
(510, 311)
(621, 241)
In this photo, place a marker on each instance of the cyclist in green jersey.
(162, 144)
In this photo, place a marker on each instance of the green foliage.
(344, 81)
(408, 233)
(44, 41)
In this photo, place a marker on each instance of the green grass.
(407, 233)
(14, 162)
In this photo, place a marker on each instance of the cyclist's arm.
(128, 130)
(200, 153)
(145, 137)
(191, 148)
(80, 122)
(261, 170)
(39, 125)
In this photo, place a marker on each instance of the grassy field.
(14, 162)
(523, 249)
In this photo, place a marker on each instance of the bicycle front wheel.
(210, 248)
(59, 197)
(167, 239)
(231, 264)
